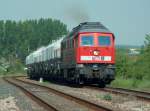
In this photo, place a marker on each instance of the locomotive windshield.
(104, 40)
(87, 41)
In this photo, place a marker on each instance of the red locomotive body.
(88, 54)
(95, 48)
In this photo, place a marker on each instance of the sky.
(129, 20)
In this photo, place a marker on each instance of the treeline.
(19, 38)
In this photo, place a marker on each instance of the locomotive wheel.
(78, 81)
(30, 76)
(102, 84)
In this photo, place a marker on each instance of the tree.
(18, 39)
(142, 66)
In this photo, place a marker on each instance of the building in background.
(133, 51)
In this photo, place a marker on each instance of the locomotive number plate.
(95, 58)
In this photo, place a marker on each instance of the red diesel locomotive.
(86, 55)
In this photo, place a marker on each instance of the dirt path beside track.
(12, 99)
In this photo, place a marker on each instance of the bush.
(11, 67)
(107, 97)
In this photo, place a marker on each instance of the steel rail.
(78, 100)
(138, 94)
(39, 101)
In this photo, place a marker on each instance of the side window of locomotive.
(76, 42)
(104, 41)
(72, 43)
(65, 44)
(68, 43)
(87, 41)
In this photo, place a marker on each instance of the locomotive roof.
(88, 27)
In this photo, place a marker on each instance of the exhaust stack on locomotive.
(85, 55)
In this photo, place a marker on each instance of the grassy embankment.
(131, 83)
(130, 72)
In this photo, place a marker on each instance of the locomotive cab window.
(104, 40)
(87, 41)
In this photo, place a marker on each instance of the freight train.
(85, 55)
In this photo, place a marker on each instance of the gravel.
(8, 104)
(12, 99)
(58, 102)
(117, 102)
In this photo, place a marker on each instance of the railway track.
(35, 98)
(138, 94)
(47, 106)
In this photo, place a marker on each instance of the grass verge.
(131, 84)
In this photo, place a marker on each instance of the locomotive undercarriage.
(79, 74)
(97, 73)
(91, 74)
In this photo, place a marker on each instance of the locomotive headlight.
(96, 53)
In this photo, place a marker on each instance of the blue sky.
(128, 19)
